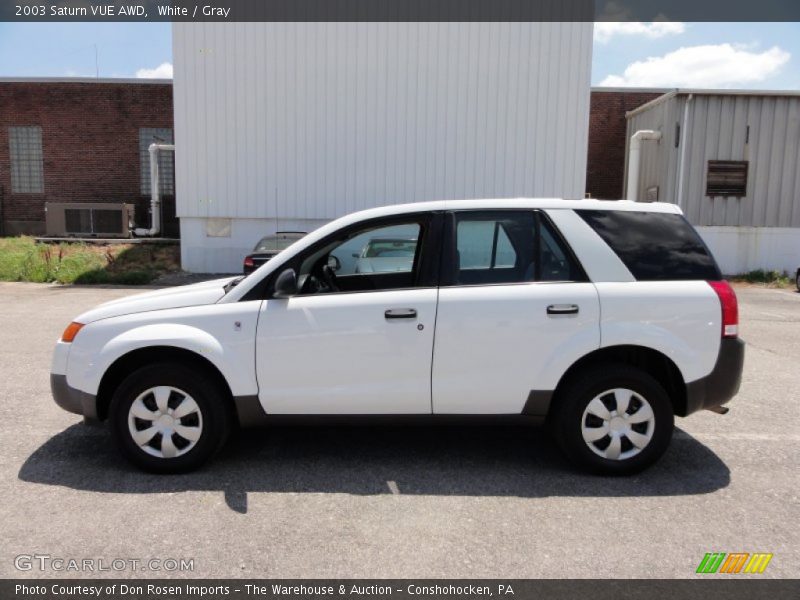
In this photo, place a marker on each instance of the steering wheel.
(330, 278)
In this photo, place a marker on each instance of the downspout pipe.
(635, 159)
(684, 141)
(155, 190)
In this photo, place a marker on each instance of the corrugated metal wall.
(315, 120)
(717, 129)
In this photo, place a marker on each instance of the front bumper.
(71, 399)
(722, 384)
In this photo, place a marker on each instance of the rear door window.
(500, 247)
(557, 263)
(494, 247)
(654, 246)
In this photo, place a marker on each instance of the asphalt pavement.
(396, 502)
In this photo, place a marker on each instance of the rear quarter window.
(654, 246)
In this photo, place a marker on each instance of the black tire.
(205, 391)
(573, 400)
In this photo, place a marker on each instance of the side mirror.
(286, 284)
(334, 263)
(355, 255)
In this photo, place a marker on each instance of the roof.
(490, 204)
(112, 80)
(507, 203)
(706, 92)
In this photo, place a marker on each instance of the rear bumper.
(71, 399)
(722, 384)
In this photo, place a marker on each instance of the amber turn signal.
(71, 331)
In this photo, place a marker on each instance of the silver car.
(387, 255)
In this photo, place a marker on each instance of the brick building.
(85, 140)
(81, 140)
(605, 167)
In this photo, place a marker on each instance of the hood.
(206, 292)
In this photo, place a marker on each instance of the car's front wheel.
(613, 420)
(168, 418)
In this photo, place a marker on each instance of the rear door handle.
(562, 309)
(401, 313)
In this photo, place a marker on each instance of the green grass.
(22, 259)
(770, 278)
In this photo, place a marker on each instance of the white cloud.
(604, 31)
(711, 66)
(162, 71)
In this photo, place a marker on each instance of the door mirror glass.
(334, 263)
(286, 284)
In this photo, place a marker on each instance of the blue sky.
(731, 55)
(67, 50)
(735, 55)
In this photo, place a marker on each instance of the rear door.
(515, 311)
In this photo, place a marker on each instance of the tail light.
(730, 308)
(248, 261)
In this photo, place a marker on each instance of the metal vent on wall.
(92, 221)
(727, 178)
(88, 220)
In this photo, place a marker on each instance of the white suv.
(604, 319)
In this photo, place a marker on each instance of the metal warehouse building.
(287, 125)
(731, 160)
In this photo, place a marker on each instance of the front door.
(358, 338)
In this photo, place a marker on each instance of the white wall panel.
(315, 120)
(744, 249)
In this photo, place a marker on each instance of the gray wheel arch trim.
(249, 411)
(73, 400)
(538, 403)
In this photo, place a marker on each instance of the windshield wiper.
(232, 284)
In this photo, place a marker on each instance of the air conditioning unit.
(88, 219)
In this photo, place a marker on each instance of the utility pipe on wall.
(155, 190)
(684, 142)
(635, 159)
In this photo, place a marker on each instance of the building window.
(166, 160)
(727, 178)
(25, 150)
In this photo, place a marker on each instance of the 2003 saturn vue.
(604, 319)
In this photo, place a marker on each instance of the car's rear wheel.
(613, 420)
(169, 418)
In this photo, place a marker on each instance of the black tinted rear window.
(654, 246)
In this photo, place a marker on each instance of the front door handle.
(562, 309)
(401, 313)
